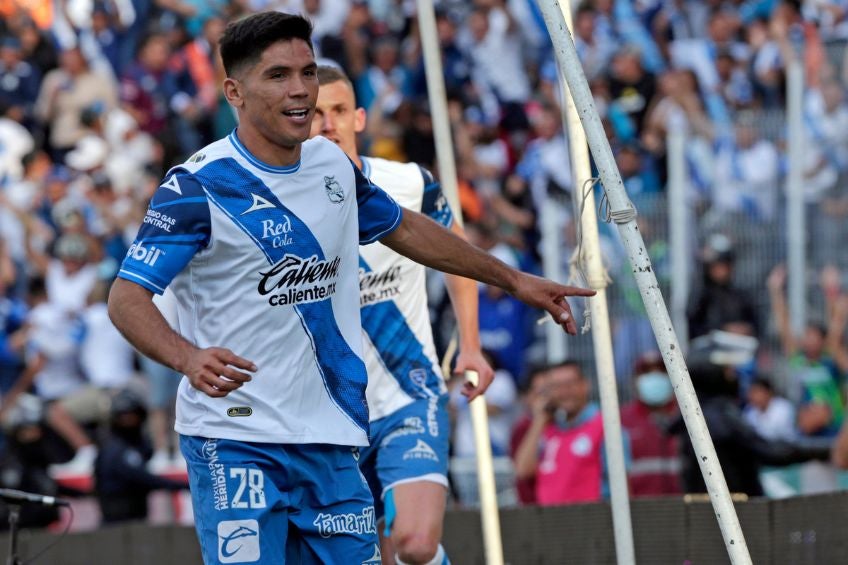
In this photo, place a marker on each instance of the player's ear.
(359, 120)
(233, 93)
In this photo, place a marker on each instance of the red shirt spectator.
(655, 465)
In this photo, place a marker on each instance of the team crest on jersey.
(418, 376)
(334, 190)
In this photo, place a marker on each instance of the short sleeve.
(379, 214)
(435, 204)
(177, 225)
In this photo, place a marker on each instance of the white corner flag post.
(447, 176)
(624, 215)
(596, 277)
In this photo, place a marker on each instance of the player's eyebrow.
(286, 69)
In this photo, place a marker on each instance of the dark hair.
(763, 382)
(37, 287)
(566, 364)
(533, 372)
(245, 40)
(328, 74)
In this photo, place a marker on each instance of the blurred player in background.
(406, 464)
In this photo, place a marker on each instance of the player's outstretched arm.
(426, 242)
(213, 370)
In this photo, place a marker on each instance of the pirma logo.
(421, 451)
(238, 541)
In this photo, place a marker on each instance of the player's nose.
(297, 87)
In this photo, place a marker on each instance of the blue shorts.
(408, 445)
(272, 503)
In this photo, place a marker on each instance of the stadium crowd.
(99, 99)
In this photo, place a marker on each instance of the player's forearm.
(463, 296)
(426, 242)
(132, 311)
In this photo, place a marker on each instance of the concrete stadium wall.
(798, 531)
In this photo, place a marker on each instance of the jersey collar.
(233, 137)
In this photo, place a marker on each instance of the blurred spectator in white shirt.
(771, 415)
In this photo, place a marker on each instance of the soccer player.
(407, 461)
(257, 236)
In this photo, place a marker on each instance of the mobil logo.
(146, 254)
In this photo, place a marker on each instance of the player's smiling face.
(277, 95)
(336, 116)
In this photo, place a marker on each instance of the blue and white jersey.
(399, 351)
(263, 260)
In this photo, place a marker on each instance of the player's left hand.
(473, 360)
(550, 296)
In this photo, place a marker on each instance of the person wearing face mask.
(655, 452)
(120, 473)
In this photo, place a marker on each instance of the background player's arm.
(424, 241)
(463, 296)
(211, 370)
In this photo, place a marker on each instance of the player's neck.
(265, 150)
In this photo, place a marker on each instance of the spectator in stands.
(718, 301)
(814, 371)
(746, 174)
(494, 47)
(655, 464)
(594, 49)
(65, 93)
(386, 80)
(70, 276)
(161, 100)
(455, 61)
(532, 389)
(106, 358)
(741, 450)
(637, 170)
(38, 48)
(122, 482)
(563, 448)
(543, 165)
(52, 368)
(199, 58)
(12, 315)
(105, 35)
(631, 89)
(772, 416)
(19, 82)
